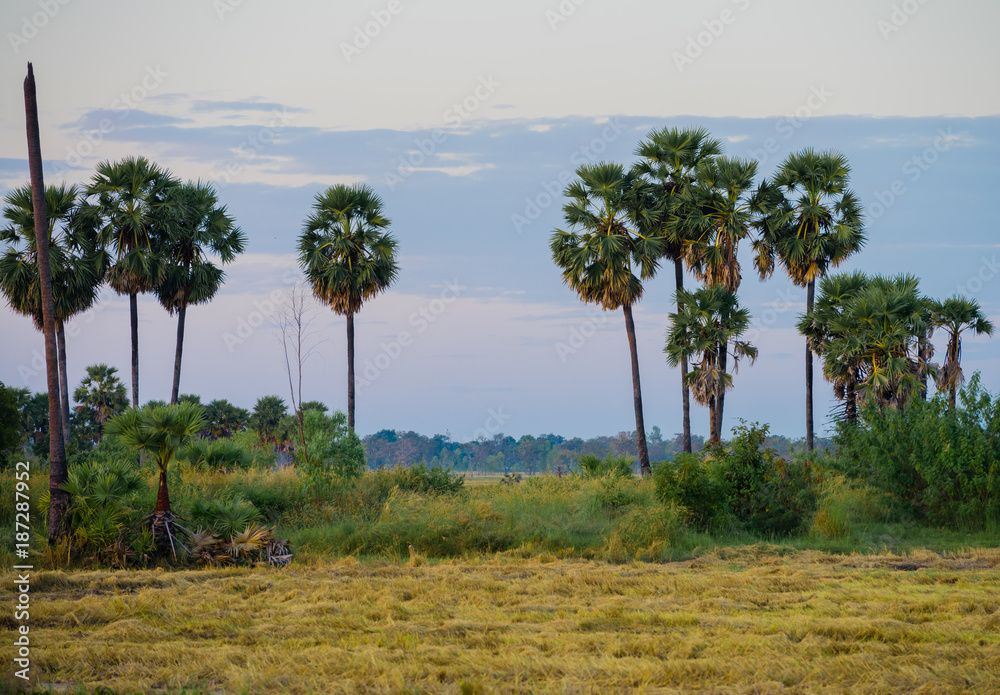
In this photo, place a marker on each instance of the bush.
(592, 466)
(225, 517)
(686, 481)
(940, 465)
(218, 455)
(766, 493)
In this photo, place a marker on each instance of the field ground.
(759, 619)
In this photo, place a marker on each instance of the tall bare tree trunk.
(640, 427)
(685, 391)
(350, 370)
(181, 314)
(720, 402)
(58, 498)
(63, 383)
(713, 418)
(133, 307)
(810, 295)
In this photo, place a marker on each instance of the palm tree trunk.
(63, 383)
(133, 306)
(851, 396)
(640, 427)
(685, 391)
(951, 359)
(810, 294)
(181, 314)
(720, 400)
(713, 415)
(350, 370)
(162, 496)
(58, 498)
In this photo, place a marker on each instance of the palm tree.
(59, 499)
(723, 209)
(266, 417)
(617, 233)
(709, 320)
(130, 200)
(160, 431)
(348, 257)
(819, 227)
(76, 266)
(826, 327)
(875, 344)
(670, 157)
(197, 227)
(102, 393)
(956, 315)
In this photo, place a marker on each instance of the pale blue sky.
(465, 118)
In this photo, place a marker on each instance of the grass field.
(761, 619)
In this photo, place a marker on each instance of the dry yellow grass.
(741, 621)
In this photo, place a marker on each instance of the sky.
(469, 119)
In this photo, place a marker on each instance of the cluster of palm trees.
(134, 227)
(686, 202)
(873, 334)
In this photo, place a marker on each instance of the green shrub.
(217, 455)
(686, 481)
(940, 465)
(766, 493)
(224, 517)
(591, 466)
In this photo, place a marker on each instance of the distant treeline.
(549, 453)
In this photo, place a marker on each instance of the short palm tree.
(348, 257)
(266, 417)
(160, 431)
(102, 393)
(669, 158)
(956, 315)
(615, 237)
(819, 226)
(197, 227)
(709, 321)
(826, 327)
(724, 208)
(129, 200)
(76, 266)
